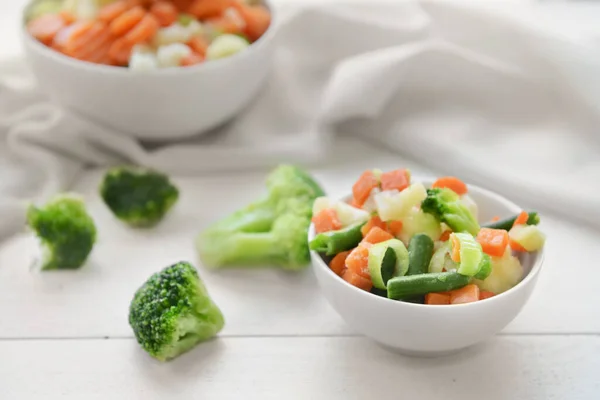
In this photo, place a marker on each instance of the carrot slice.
(113, 10)
(437, 298)
(516, 246)
(467, 294)
(373, 222)
(451, 182)
(198, 44)
(182, 5)
(226, 25)
(377, 235)
(398, 179)
(493, 241)
(97, 47)
(326, 220)
(395, 227)
(126, 21)
(165, 12)
(45, 27)
(445, 236)
(144, 30)
(521, 218)
(363, 186)
(485, 295)
(79, 40)
(455, 248)
(257, 18)
(67, 17)
(120, 51)
(203, 9)
(358, 261)
(338, 263)
(192, 59)
(357, 280)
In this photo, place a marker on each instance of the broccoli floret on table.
(172, 312)
(445, 205)
(138, 196)
(66, 231)
(271, 231)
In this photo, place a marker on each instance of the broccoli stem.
(253, 219)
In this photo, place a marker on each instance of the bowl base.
(422, 353)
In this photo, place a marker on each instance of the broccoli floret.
(66, 231)
(271, 231)
(445, 205)
(138, 196)
(172, 312)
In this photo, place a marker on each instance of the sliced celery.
(387, 260)
(471, 254)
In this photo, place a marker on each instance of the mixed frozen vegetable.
(399, 239)
(147, 34)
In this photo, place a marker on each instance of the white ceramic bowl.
(159, 105)
(429, 330)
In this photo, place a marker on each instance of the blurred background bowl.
(160, 105)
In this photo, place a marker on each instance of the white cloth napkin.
(483, 93)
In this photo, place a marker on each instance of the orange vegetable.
(164, 12)
(485, 295)
(395, 227)
(445, 236)
(373, 222)
(516, 246)
(326, 220)
(522, 218)
(363, 186)
(452, 183)
(226, 24)
(67, 17)
(192, 59)
(198, 44)
(467, 294)
(358, 261)
(45, 27)
(398, 179)
(257, 19)
(357, 280)
(182, 5)
(144, 30)
(120, 51)
(126, 21)
(338, 263)
(493, 241)
(204, 9)
(455, 255)
(111, 11)
(377, 235)
(437, 298)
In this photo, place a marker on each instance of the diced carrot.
(363, 186)
(357, 280)
(437, 298)
(358, 261)
(203, 9)
(483, 294)
(452, 183)
(226, 24)
(113, 10)
(98, 45)
(395, 227)
(67, 17)
(496, 218)
(398, 179)
(373, 222)
(165, 12)
(198, 44)
(126, 21)
(257, 18)
(120, 51)
(100, 54)
(144, 30)
(467, 294)
(193, 59)
(493, 241)
(521, 218)
(326, 220)
(377, 235)
(182, 5)
(455, 255)
(338, 263)
(445, 236)
(45, 27)
(354, 204)
(516, 246)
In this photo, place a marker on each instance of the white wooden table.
(65, 335)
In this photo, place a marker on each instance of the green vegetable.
(530, 237)
(445, 205)
(393, 205)
(387, 260)
(185, 19)
(270, 231)
(225, 45)
(508, 223)
(66, 231)
(471, 254)
(441, 259)
(400, 287)
(379, 292)
(172, 312)
(137, 196)
(334, 242)
(485, 268)
(420, 251)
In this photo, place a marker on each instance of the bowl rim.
(318, 262)
(124, 71)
